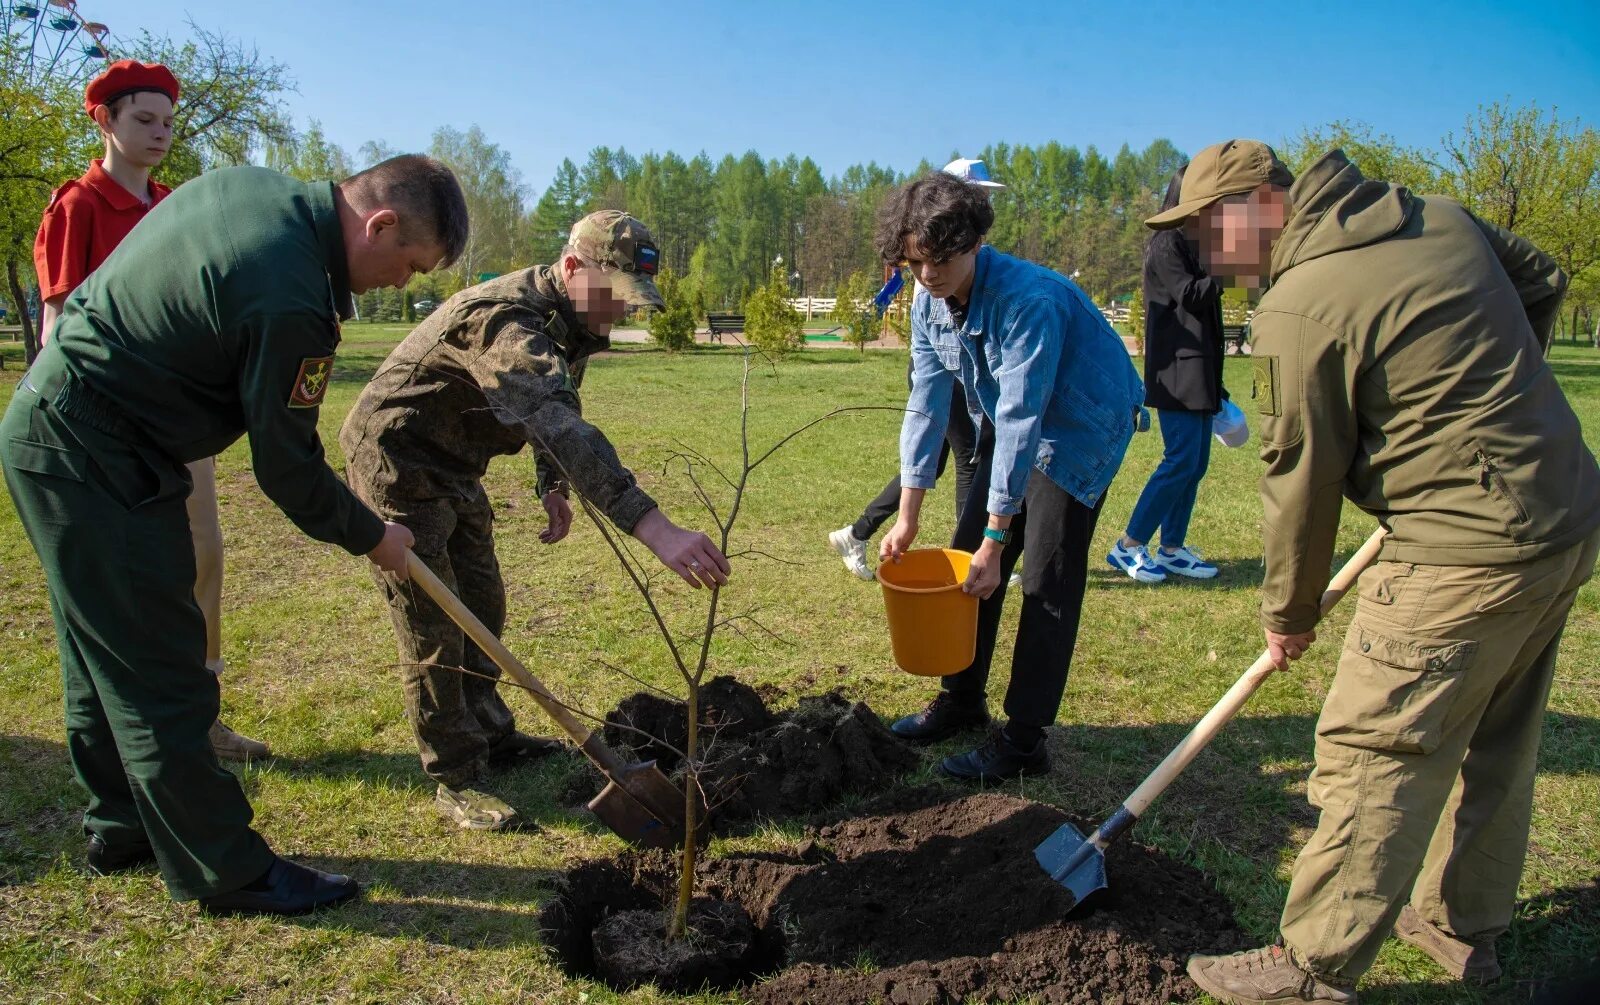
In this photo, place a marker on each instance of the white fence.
(822, 307)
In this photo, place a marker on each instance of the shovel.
(1079, 864)
(639, 803)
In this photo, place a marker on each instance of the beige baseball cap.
(612, 237)
(1230, 168)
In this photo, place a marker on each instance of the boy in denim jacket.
(1036, 357)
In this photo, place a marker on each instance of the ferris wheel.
(51, 40)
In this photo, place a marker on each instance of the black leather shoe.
(517, 748)
(285, 888)
(997, 760)
(945, 716)
(104, 860)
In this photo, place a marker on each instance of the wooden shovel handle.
(581, 734)
(1243, 688)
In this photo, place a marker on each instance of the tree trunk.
(30, 341)
(679, 924)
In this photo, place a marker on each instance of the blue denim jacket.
(1038, 358)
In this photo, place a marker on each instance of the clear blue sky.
(847, 82)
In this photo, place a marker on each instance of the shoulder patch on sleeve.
(1264, 385)
(311, 382)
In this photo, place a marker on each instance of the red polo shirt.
(86, 219)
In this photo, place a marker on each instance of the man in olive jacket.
(1399, 362)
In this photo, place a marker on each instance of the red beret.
(125, 76)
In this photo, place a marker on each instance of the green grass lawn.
(450, 916)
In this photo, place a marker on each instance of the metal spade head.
(642, 806)
(1073, 861)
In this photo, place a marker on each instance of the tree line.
(727, 225)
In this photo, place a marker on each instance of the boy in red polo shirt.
(132, 103)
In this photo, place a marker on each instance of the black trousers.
(1052, 532)
(960, 440)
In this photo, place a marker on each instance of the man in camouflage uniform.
(495, 368)
(1400, 363)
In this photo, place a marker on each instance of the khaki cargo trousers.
(1425, 755)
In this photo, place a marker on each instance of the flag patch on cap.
(647, 259)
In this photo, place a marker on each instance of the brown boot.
(1465, 961)
(1266, 976)
(231, 746)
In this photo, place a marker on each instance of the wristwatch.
(997, 535)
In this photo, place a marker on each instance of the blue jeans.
(1168, 498)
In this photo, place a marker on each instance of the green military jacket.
(217, 317)
(1399, 361)
(496, 367)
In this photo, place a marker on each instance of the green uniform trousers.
(457, 717)
(107, 516)
(1425, 755)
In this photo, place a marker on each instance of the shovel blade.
(1073, 862)
(631, 820)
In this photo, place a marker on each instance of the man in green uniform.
(218, 316)
(1399, 359)
(495, 368)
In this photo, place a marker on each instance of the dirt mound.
(932, 899)
(765, 764)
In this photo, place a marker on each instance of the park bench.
(1235, 339)
(724, 324)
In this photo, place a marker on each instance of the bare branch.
(703, 459)
(637, 680)
(757, 551)
(819, 419)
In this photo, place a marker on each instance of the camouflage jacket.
(497, 366)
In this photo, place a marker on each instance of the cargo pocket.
(1394, 693)
(47, 459)
(140, 478)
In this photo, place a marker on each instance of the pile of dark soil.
(762, 764)
(929, 899)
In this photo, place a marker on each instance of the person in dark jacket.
(1183, 383)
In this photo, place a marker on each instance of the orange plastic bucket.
(933, 626)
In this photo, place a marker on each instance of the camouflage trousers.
(458, 717)
(1426, 752)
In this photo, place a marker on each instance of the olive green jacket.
(1399, 360)
(219, 316)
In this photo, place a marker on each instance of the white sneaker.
(1185, 562)
(853, 550)
(1136, 562)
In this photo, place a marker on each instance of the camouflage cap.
(613, 238)
(1231, 168)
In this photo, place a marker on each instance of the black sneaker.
(945, 716)
(997, 760)
(105, 860)
(285, 888)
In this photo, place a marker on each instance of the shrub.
(854, 310)
(673, 325)
(770, 323)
